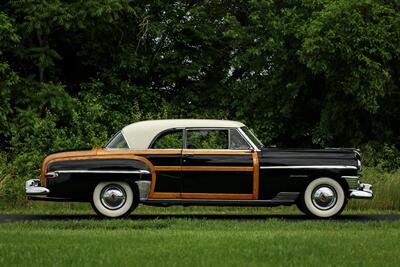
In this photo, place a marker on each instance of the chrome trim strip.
(350, 177)
(310, 167)
(126, 140)
(51, 175)
(102, 171)
(298, 176)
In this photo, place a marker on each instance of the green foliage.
(299, 73)
(386, 157)
(169, 140)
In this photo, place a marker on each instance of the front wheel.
(323, 198)
(113, 199)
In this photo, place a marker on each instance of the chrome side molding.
(103, 171)
(310, 167)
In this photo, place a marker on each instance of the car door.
(165, 154)
(217, 163)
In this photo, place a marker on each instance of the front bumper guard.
(33, 188)
(364, 191)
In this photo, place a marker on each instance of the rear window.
(169, 140)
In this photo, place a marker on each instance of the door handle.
(188, 155)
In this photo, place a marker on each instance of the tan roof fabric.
(140, 134)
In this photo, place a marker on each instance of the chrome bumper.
(363, 191)
(33, 188)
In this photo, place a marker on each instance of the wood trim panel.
(173, 195)
(256, 175)
(204, 168)
(215, 196)
(94, 156)
(164, 195)
(141, 152)
(215, 152)
(168, 168)
(62, 155)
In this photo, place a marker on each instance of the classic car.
(199, 162)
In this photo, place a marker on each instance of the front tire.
(323, 198)
(113, 199)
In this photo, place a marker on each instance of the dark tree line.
(299, 73)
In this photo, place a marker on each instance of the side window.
(169, 140)
(207, 139)
(118, 142)
(237, 141)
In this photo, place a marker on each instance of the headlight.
(359, 164)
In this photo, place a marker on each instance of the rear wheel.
(323, 198)
(113, 199)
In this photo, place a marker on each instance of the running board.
(282, 198)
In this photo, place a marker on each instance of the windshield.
(252, 137)
(117, 142)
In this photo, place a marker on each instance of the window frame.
(112, 140)
(162, 133)
(229, 129)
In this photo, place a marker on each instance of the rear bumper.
(33, 188)
(363, 191)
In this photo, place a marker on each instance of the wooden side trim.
(104, 156)
(216, 196)
(168, 168)
(162, 195)
(256, 175)
(216, 152)
(204, 168)
(174, 195)
(141, 152)
(63, 156)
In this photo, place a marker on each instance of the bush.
(386, 157)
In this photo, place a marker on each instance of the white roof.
(140, 134)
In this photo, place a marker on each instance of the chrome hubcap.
(324, 197)
(113, 197)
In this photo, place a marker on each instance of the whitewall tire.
(323, 198)
(113, 199)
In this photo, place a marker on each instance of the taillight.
(51, 175)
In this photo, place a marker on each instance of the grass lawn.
(199, 242)
(38, 207)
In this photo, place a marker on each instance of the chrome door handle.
(188, 155)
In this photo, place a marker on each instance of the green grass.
(191, 242)
(59, 208)
(386, 187)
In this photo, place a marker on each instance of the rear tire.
(113, 199)
(323, 198)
